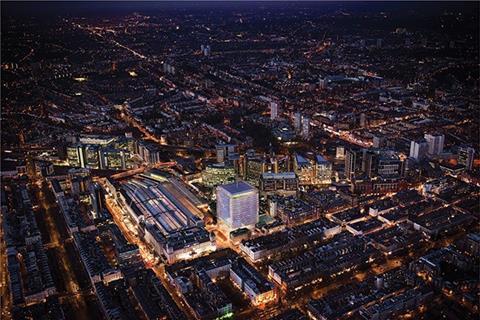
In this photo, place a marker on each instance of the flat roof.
(321, 159)
(281, 175)
(237, 187)
(301, 160)
(170, 209)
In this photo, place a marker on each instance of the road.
(6, 303)
(73, 294)
(67, 266)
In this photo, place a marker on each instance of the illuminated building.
(196, 282)
(305, 127)
(79, 180)
(361, 164)
(292, 237)
(237, 205)
(435, 143)
(312, 172)
(96, 140)
(465, 157)
(297, 121)
(400, 303)
(98, 157)
(165, 215)
(224, 152)
(376, 185)
(323, 170)
(343, 254)
(126, 144)
(91, 157)
(149, 152)
(340, 152)
(280, 183)
(99, 152)
(113, 159)
(73, 155)
(218, 173)
(418, 149)
(352, 163)
(388, 165)
(304, 170)
(254, 167)
(273, 110)
(258, 289)
(378, 141)
(292, 210)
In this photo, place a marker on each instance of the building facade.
(418, 149)
(435, 143)
(237, 205)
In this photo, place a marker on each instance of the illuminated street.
(74, 295)
(279, 160)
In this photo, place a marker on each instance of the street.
(67, 267)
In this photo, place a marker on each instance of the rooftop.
(237, 187)
(281, 175)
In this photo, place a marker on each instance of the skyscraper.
(435, 143)
(363, 120)
(369, 162)
(418, 149)
(351, 160)
(305, 127)
(322, 83)
(224, 151)
(465, 156)
(273, 110)
(297, 121)
(237, 204)
(378, 141)
(97, 200)
(340, 152)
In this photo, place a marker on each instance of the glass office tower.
(237, 204)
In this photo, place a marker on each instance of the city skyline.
(240, 160)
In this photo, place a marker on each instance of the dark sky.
(67, 8)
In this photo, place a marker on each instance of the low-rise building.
(285, 183)
(272, 244)
(216, 174)
(322, 264)
(292, 210)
